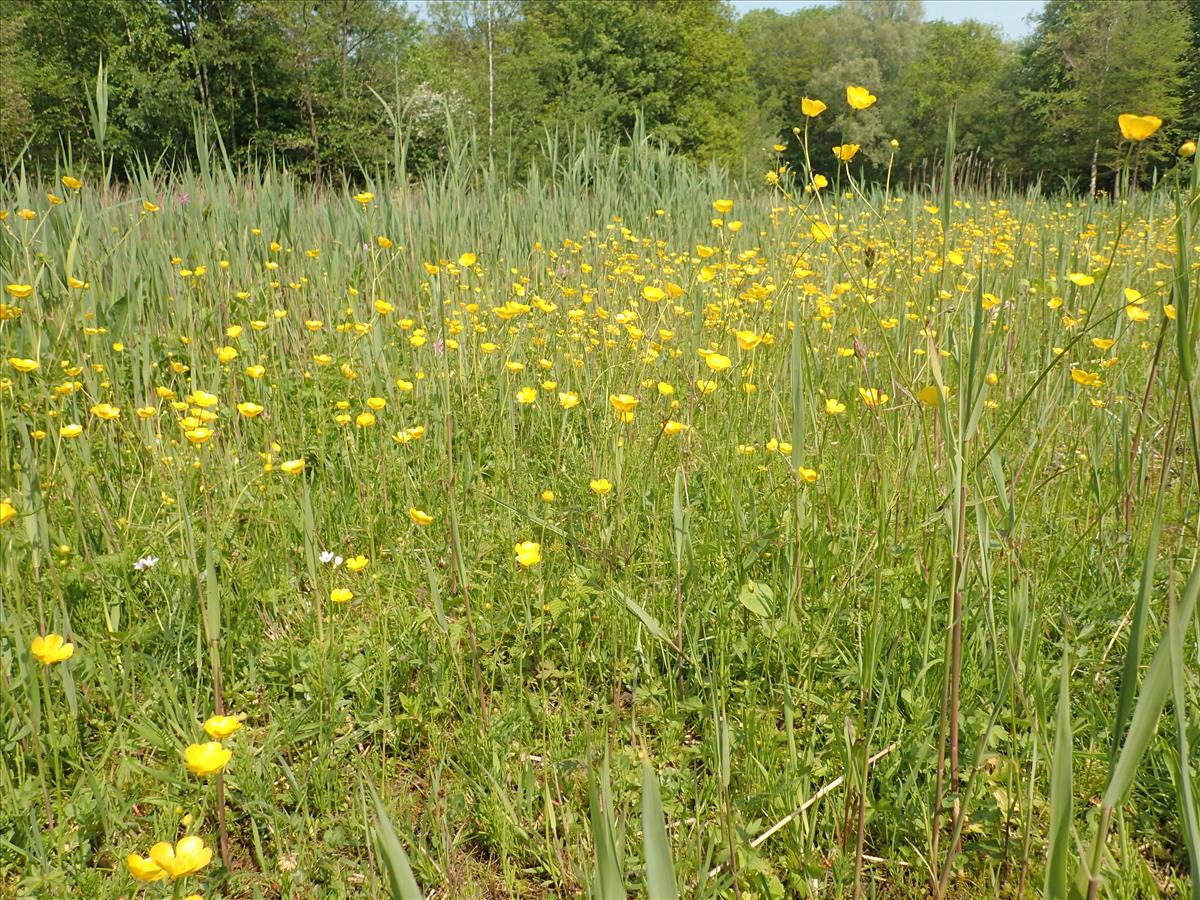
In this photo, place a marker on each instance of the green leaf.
(435, 595)
(652, 624)
(656, 845)
(1151, 700)
(609, 880)
(401, 881)
(757, 597)
(1137, 638)
(1059, 849)
(1187, 802)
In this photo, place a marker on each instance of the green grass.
(701, 652)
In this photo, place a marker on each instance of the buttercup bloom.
(219, 727)
(23, 365)
(529, 553)
(1138, 128)
(189, 855)
(859, 97)
(51, 649)
(205, 759)
(144, 868)
(812, 108)
(873, 397)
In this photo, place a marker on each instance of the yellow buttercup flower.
(24, 365)
(292, 467)
(717, 362)
(70, 431)
(1138, 128)
(419, 516)
(834, 407)
(1187, 149)
(8, 512)
(206, 759)
(467, 260)
(249, 409)
(623, 403)
(188, 856)
(220, 727)
(357, 563)
(748, 340)
(672, 428)
(1080, 279)
(807, 475)
(601, 486)
(144, 868)
(723, 206)
(106, 411)
(845, 152)
(930, 395)
(19, 291)
(859, 97)
(198, 435)
(341, 595)
(527, 396)
(71, 183)
(51, 649)
(872, 397)
(529, 553)
(149, 207)
(812, 108)
(568, 399)
(364, 419)
(364, 197)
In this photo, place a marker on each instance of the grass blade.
(660, 870)
(609, 880)
(1150, 703)
(401, 881)
(1059, 848)
(1137, 637)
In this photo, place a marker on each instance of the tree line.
(337, 88)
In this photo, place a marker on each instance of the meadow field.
(637, 529)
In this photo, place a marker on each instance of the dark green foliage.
(339, 88)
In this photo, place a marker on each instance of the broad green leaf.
(757, 597)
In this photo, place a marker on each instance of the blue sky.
(1008, 14)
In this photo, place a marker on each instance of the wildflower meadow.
(638, 529)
